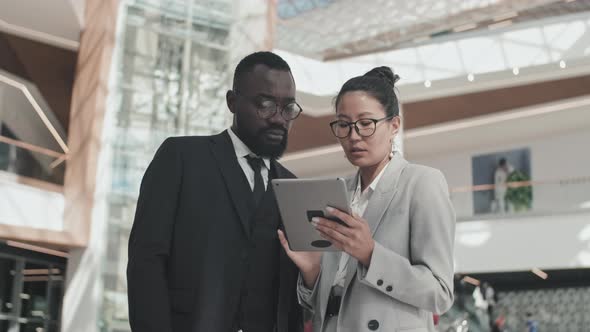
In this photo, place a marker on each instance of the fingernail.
(315, 219)
(329, 209)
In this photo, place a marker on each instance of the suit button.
(389, 288)
(373, 325)
(379, 282)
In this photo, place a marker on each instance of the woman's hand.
(356, 239)
(308, 262)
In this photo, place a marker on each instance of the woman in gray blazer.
(396, 266)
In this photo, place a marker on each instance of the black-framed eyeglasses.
(364, 127)
(267, 108)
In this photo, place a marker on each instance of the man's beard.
(262, 148)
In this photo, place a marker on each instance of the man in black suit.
(204, 255)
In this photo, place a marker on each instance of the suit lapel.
(378, 204)
(235, 180)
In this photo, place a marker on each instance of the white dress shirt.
(242, 151)
(360, 200)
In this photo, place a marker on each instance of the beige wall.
(83, 217)
(87, 115)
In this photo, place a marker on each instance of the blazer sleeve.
(307, 297)
(426, 279)
(149, 242)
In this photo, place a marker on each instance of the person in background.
(531, 323)
(500, 178)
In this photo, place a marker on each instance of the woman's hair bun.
(385, 73)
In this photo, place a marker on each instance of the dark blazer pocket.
(182, 300)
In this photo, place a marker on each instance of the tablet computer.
(300, 200)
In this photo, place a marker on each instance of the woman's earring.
(392, 149)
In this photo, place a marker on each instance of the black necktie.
(256, 163)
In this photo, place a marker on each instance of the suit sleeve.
(426, 279)
(149, 242)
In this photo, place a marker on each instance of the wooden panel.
(453, 108)
(313, 132)
(310, 132)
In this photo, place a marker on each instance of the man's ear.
(230, 99)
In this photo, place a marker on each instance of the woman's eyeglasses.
(363, 127)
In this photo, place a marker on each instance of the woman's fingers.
(284, 241)
(356, 240)
(327, 223)
(337, 238)
(306, 261)
(345, 217)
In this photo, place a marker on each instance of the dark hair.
(502, 161)
(248, 63)
(379, 82)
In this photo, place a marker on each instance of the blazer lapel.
(378, 203)
(235, 180)
(384, 193)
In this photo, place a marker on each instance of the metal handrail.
(517, 184)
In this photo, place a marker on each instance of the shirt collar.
(373, 184)
(242, 150)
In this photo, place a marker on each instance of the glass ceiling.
(290, 8)
(555, 40)
(332, 30)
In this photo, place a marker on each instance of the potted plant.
(520, 197)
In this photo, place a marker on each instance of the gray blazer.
(411, 272)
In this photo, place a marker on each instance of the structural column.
(81, 189)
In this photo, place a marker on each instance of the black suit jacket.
(189, 231)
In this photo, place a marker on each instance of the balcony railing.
(539, 197)
(32, 140)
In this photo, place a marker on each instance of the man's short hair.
(248, 63)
